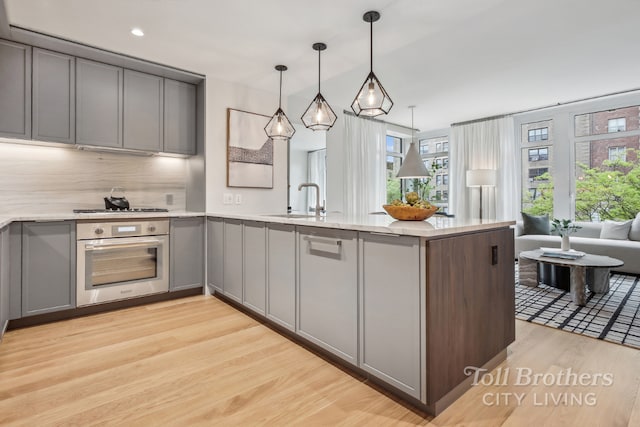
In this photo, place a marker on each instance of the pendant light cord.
(319, 70)
(371, 47)
(280, 97)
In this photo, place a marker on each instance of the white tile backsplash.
(40, 179)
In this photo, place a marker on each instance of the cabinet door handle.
(323, 241)
(328, 248)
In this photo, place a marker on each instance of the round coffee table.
(598, 267)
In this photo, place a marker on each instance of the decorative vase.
(565, 245)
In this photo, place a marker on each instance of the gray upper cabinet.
(99, 104)
(186, 253)
(281, 274)
(328, 290)
(391, 315)
(179, 117)
(53, 116)
(15, 90)
(215, 254)
(143, 111)
(48, 267)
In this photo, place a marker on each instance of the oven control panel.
(111, 229)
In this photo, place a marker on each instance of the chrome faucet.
(319, 208)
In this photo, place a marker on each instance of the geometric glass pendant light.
(279, 127)
(319, 115)
(372, 100)
(412, 165)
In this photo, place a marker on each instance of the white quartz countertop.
(377, 223)
(6, 219)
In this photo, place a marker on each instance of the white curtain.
(489, 144)
(364, 157)
(317, 172)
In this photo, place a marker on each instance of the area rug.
(613, 317)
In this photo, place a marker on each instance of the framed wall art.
(249, 150)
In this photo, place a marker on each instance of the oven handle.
(139, 244)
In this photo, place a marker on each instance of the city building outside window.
(618, 154)
(536, 173)
(540, 134)
(538, 154)
(617, 125)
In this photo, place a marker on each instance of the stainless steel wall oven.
(121, 259)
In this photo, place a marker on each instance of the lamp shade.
(412, 165)
(481, 178)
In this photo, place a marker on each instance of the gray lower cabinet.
(186, 253)
(48, 266)
(328, 290)
(179, 117)
(143, 111)
(15, 270)
(99, 104)
(281, 275)
(15, 90)
(54, 97)
(4, 279)
(254, 295)
(391, 316)
(232, 260)
(215, 254)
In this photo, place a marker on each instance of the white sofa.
(587, 239)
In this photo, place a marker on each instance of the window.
(424, 147)
(540, 134)
(538, 154)
(617, 125)
(394, 161)
(618, 153)
(536, 172)
(607, 121)
(436, 159)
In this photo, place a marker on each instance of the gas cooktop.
(132, 210)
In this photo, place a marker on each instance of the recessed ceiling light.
(137, 32)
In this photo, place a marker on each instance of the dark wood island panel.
(470, 305)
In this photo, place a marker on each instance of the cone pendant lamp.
(412, 165)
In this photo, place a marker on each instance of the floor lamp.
(481, 178)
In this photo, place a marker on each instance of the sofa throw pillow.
(535, 224)
(616, 230)
(634, 233)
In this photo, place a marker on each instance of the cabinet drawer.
(328, 290)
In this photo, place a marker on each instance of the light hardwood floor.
(199, 361)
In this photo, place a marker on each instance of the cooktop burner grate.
(120, 210)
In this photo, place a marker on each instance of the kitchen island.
(409, 304)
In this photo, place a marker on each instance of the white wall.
(220, 96)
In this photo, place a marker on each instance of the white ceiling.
(456, 60)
